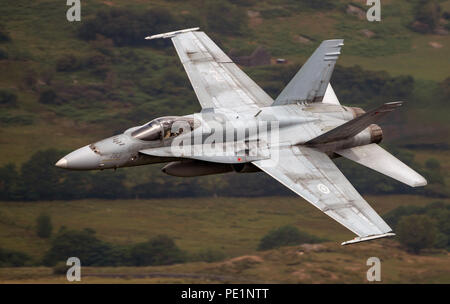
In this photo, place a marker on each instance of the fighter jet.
(297, 134)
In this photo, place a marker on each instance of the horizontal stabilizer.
(367, 238)
(354, 126)
(311, 81)
(378, 159)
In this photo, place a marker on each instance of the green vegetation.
(44, 226)
(8, 98)
(127, 27)
(286, 236)
(225, 18)
(11, 258)
(422, 227)
(48, 96)
(4, 35)
(427, 15)
(231, 226)
(82, 244)
(417, 232)
(39, 179)
(160, 250)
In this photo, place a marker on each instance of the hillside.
(323, 263)
(232, 226)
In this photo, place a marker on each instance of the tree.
(8, 182)
(39, 176)
(286, 236)
(416, 232)
(82, 244)
(44, 226)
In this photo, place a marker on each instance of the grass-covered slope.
(231, 226)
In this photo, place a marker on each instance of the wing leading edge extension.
(217, 81)
(312, 175)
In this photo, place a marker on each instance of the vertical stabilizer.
(311, 82)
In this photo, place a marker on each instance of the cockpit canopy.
(164, 127)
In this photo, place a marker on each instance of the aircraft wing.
(313, 175)
(217, 81)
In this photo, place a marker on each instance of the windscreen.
(164, 128)
(150, 132)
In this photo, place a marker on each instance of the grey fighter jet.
(310, 125)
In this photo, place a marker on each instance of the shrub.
(223, 17)
(428, 13)
(44, 226)
(7, 98)
(127, 27)
(82, 244)
(432, 164)
(68, 63)
(11, 258)
(417, 232)
(4, 35)
(160, 250)
(3, 54)
(48, 96)
(286, 236)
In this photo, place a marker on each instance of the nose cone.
(62, 163)
(81, 159)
